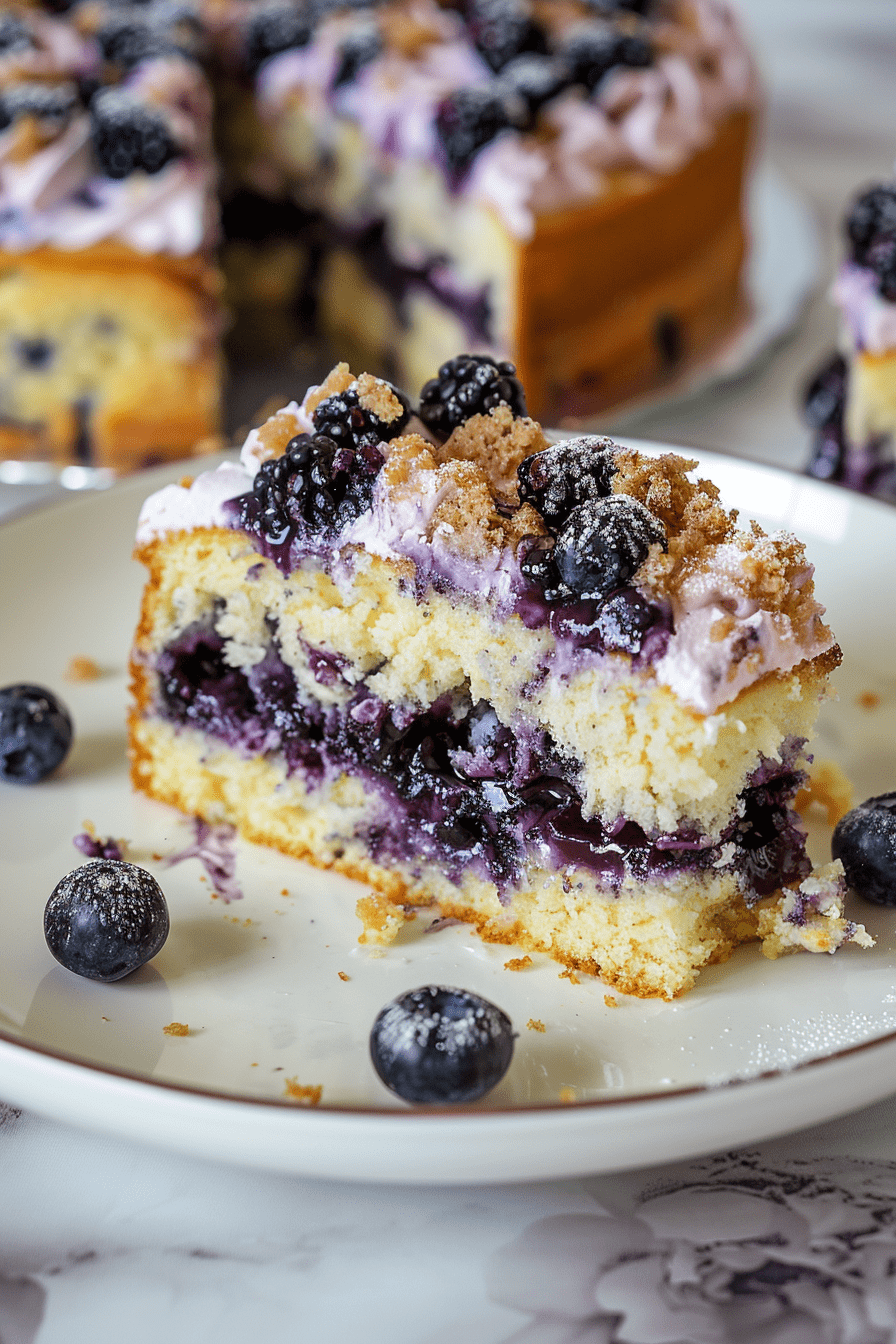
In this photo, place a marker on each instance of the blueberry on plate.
(106, 919)
(865, 843)
(35, 733)
(437, 1045)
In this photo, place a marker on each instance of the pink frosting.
(869, 319)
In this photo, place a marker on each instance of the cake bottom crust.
(649, 940)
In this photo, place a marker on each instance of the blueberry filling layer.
(455, 786)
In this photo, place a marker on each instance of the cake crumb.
(337, 380)
(570, 975)
(568, 1094)
(868, 700)
(518, 963)
(610, 1001)
(342, 975)
(82, 668)
(828, 789)
(186, 481)
(176, 1029)
(535, 1024)
(382, 918)
(308, 1096)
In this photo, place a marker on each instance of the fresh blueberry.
(35, 733)
(51, 104)
(106, 919)
(469, 385)
(871, 216)
(503, 29)
(865, 842)
(591, 50)
(603, 543)
(15, 35)
(274, 28)
(436, 1045)
(342, 418)
(128, 135)
(529, 81)
(466, 121)
(357, 51)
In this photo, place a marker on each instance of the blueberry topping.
(437, 1045)
(314, 489)
(603, 543)
(865, 843)
(51, 104)
(14, 33)
(359, 50)
(469, 385)
(34, 352)
(593, 49)
(128, 135)
(502, 29)
(528, 82)
(348, 423)
(273, 29)
(35, 733)
(824, 402)
(623, 621)
(565, 475)
(825, 395)
(872, 215)
(106, 919)
(466, 121)
(143, 33)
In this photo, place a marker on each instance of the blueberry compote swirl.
(456, 786)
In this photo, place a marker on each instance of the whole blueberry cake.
(850, 403)
(546, 688)
(110, 316)
(554, 182)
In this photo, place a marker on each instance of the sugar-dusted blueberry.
(865, 843)
(274, 28)
(436, 1045)
(15, 34)
(603, 543)
(558, 479)
(592, 49)
(502, 29)
(106, 919)
(469, 385)
(528, 82)
(35, 733)
(52, 105)
(128, 135)
(871, 216)
(624, 619)
(358, 49)
(466, 121)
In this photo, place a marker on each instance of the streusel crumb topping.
(498, 443)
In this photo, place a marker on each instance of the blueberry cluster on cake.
(110, 315)
(548, 688)
(850, 403)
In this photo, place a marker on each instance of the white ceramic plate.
(275, 986)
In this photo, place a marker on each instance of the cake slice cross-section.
(548, 688)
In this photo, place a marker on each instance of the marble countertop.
(793, 1242)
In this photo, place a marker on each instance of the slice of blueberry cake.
(110, 315)
(850, 403)
(546, 688)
